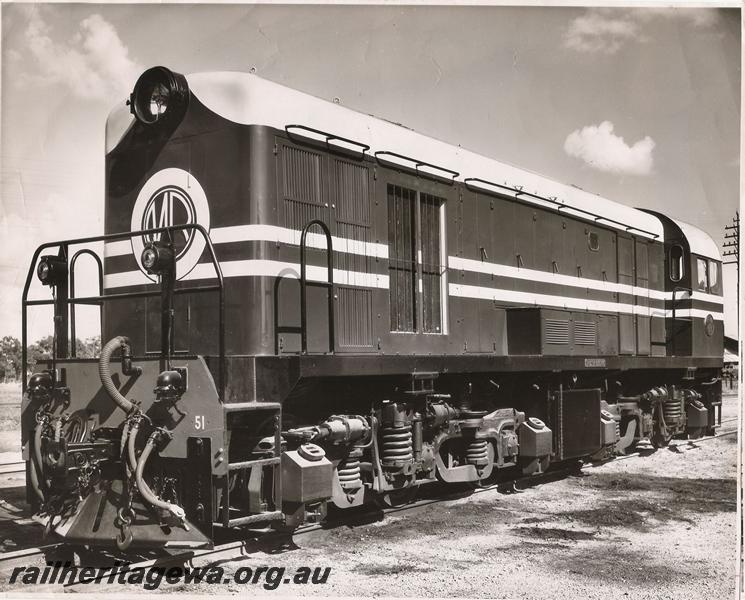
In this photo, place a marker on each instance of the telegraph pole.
(732, 249)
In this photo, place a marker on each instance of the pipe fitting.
(104, 372)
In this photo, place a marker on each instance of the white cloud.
(601, 149)
(607, 30)
(597, 32)
(93, 64)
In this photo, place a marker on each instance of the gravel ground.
(654, 527)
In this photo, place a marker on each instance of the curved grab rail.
(303, 285)
(99, 264)
(329, 137)
(418, 163)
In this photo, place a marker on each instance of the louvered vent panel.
(302, 187)
(354, 317)
(585, 333)
(556, 331)
(297, 214)
(352, 203)
(302, 170)
(352, 218)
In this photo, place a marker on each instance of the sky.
(641, 106)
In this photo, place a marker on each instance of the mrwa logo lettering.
(172, 197)
(167, 207)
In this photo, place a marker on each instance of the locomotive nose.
(160, 95)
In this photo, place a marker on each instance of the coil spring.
(477, 454)
(618, 430)
(397, 445)
(672, 411)
(349, 471)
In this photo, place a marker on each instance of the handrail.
(518, 191)
(219, 287)
(418, 163)
(329, 137)
(303, 286)
(73, 260)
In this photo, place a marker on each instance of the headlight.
(51, 270)
(158, 258)
(159, 95)
(149, 258)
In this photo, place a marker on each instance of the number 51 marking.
(199, 422)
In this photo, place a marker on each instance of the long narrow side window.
(402, 258)
(416, 261)
(676, 263)
(430, 215)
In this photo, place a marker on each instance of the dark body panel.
(284, 181)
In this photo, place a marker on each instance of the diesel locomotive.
(305, 308)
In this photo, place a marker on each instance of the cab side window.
(714, 279)
(676, 263)
(702, 275)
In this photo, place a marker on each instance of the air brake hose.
(123, 446)
(145, 491)
(104, 371)
(133, 430)
(36, 463)
(37, 447)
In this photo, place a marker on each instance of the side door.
(626, 319)
(641, 299)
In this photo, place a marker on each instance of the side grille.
(585, 333)
(354, 317)
(302, 175)
(302, 187)
(556, 331)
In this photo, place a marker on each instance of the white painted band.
(567, 303)
(274, 234)
(282, 235)
(477, 266)
(271, 268)
(257, 268)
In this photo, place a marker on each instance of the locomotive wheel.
(397, 498)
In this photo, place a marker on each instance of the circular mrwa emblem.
(172, 197)
(709, 325)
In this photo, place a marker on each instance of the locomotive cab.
(693, 287)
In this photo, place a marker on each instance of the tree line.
(10, 353)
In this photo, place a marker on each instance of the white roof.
(699, 241)
(247, 99)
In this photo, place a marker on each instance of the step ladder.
(273, 461)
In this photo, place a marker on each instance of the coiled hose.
(145, 491)
(104, 372)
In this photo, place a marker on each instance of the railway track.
(11, 468)
(259, 539)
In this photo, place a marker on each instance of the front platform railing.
(61, 300)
